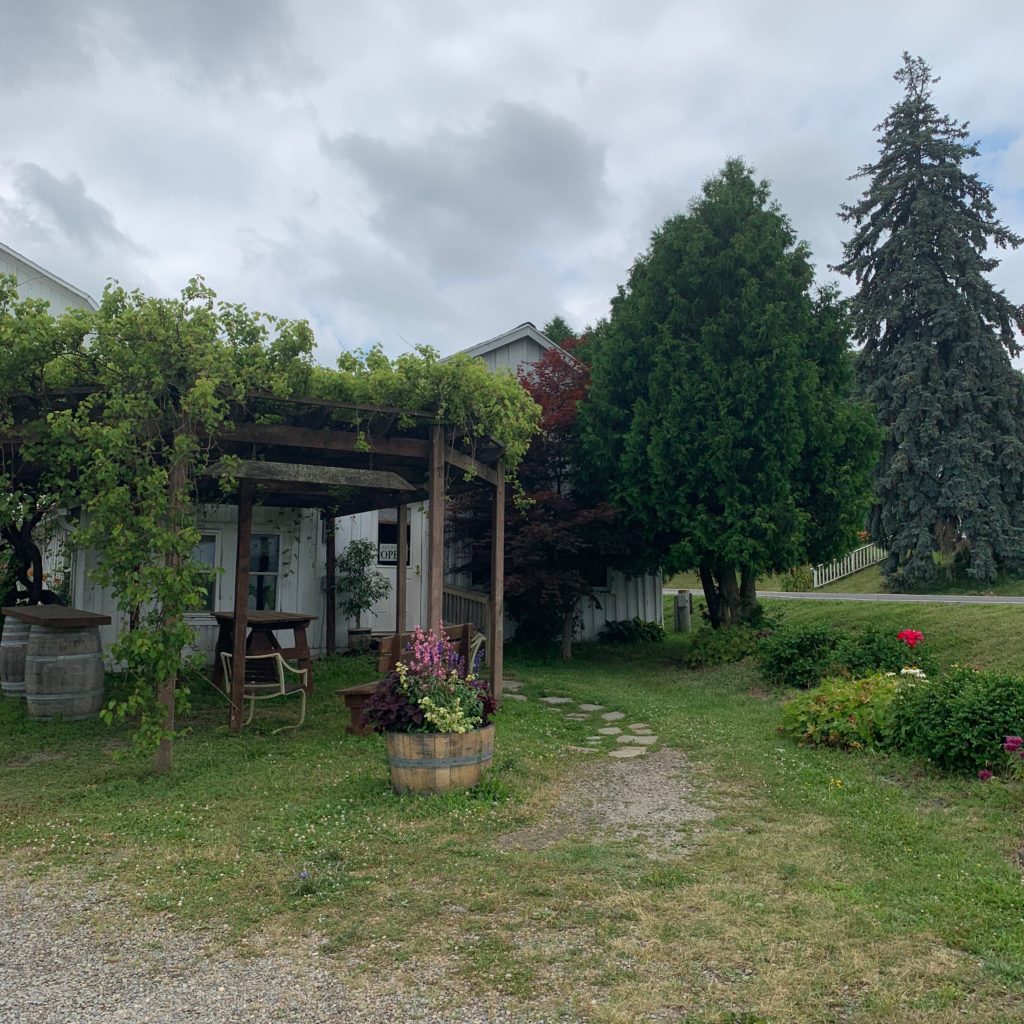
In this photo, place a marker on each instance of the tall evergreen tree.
(719, 414)
(937, 340)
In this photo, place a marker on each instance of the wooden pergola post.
(435, 530)
(330, 598)
(496, 640)
(242, 559)
(400, 571)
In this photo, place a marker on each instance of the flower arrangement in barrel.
(431, 690)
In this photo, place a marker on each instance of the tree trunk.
(714, 603)
(163, 760)
(28, 558)
(748, 595)
(730, 594)
(568, 628)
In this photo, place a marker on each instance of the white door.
(387, 564)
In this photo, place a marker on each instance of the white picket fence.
(859, 558)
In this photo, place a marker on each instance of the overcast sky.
(428, 171)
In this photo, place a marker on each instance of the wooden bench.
(390, 653)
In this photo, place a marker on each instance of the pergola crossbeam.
(279, 475)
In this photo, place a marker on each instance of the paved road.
(817, 595)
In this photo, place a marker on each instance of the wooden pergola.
(344, 458)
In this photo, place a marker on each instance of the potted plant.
(359, 587)
(436, 716)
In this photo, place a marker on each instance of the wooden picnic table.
(262, 639)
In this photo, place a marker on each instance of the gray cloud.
(62, 207)
(470, 202)
(198, 41)
(440, 172)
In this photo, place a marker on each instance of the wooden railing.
(460, 605)
(859, 558)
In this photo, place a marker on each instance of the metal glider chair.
(268, 676)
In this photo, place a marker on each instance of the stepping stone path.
(628, 752)
(512, 684)
(633, 743)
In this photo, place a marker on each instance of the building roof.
(42, 272)
(524, 330)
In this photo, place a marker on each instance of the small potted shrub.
(359, 588)
(436, 716)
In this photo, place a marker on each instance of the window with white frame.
(264, 571)
(205, 554)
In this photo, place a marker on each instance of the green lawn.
(827, 887)
(870, 581)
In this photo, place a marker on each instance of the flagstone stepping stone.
(512, 684)
(594, 739)
(610, 730)
(643, 741)
(556, 700)
(639, 727)
(584, 750)
(628, 752)
(590, 707)
(613, 716)
(577, 718)
(514, 696)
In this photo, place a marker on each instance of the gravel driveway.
(67, 956)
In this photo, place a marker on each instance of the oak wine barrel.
(64, 672)
(13, 644)
(439, 762)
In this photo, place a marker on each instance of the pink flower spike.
(984, 775)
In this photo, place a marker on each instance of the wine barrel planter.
(64, 672)
(439, 762)
(12, 658)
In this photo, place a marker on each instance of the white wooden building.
(35, 282)
(623, 596)
(289, 556)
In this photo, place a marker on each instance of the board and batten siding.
(300, 573)
(36, 283)
(513, 356)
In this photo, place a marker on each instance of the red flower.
(911, 637)
(1013, 743)
(984, 775)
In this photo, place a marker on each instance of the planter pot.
(359, 639)
(438, 762)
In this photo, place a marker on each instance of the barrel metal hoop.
(441, 762)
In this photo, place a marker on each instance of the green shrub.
(959, 721)
(802, 656)
(799, 580)
(707, 648)
(631, 631)
(851, 714)
(797, 655)
(879, 650)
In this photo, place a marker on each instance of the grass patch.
(827, 886)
